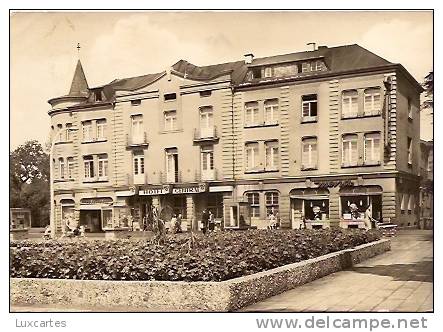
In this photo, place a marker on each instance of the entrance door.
(296, 213)
(91, 219)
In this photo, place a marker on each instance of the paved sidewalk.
(399, 280)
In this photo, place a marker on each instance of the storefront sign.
(202, 187)
(166, 189)
(220, 189)
(334, 184)
(96, 201)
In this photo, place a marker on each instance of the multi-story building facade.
(426, 200)
(319, 138)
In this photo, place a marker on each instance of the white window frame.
(309, 103)
(252, 155)
(349, 104)
(271, 155)
(206, 121)
(371, 106)
(170, 165)
(312, 161)
(68, 127)
(100, 126)
(267, 72)
(87, 131)
(71, 165)
(348, 140)
(88, 165)
(409, 142)
(273, 205)
(254, 203)
(271, 111)
(103, 166)
(370, 140)
(251, 113)
(170, 118)
(207, 162)
(137, 130)
(138, 166)
(305, 67)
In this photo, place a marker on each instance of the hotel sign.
(166, 189)
(200, 188)
(334, 184)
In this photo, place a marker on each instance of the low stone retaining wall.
(229, 295)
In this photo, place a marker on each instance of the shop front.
(310, 208)
(360, 206)
(95, 214)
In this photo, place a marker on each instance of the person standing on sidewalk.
(205, 220)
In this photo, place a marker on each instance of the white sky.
(117, 45)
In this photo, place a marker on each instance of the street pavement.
(400, 280)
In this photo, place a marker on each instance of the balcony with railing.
(205, 134)
(136, 179)
(170, 177)
(136, 141)
(206, 175)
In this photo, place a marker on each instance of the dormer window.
(268, 72)
(98, 95)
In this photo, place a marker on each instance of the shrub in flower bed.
(216, 257)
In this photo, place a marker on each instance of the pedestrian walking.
(211, 221)
(205, 221)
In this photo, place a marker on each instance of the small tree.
(428, 86)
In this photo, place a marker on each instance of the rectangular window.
(60, 135)
(138, 166)
(349, 150)
(180, 205)
(309, 108)
(305, 67)
(251, 114)
(372, 104)
(88, 163)
(87, 130)
(70, 167)
(268, 72)
(170, 96)
(107, 218)
(254, 202)
(372, 148)
(102, 166)
(101, 128)
(252, 157)
(206, 93)
(350, 104)
(68, 132)
(271, 111)
(61, 164)
(309, 153)
(206, 122)
(171, 165)
(170, 120)
(271, 149)
(137, 131)
(207, 157)
(409, 151)
(215, 204)
(136, 102)
(271, 200)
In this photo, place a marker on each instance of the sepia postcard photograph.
(222, 161)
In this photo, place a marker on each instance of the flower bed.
(217, 257)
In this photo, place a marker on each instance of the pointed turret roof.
(79, 85)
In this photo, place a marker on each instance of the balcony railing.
(133, 179)
(206, 175)
(170, 177)
(205, 134)
(133, 141)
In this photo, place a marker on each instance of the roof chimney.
(248, 58)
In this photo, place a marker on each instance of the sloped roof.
(134, 83)
(236, 69)
(79, 85)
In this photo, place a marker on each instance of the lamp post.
(51, 180)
